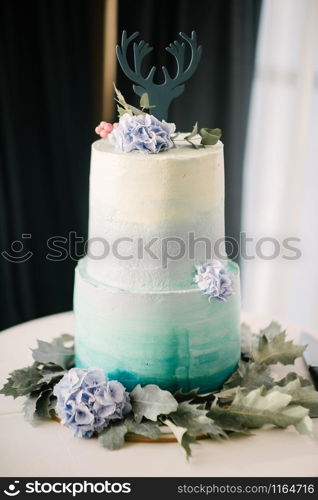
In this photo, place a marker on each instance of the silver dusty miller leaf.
(38, 406)
(259, 408)
(148, 428)
(29, 407)
(150, 401)
(194, 396)
(195, 420)
(250, 376)
(293, 376)
(22, 382)
(113, 437)
(182, 436)
(273, 348)
(271, 331)
(56, 352)
(304, 395)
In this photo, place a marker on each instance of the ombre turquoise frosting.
(176, 339)
(141, 318)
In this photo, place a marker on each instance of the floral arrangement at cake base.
(92, 406)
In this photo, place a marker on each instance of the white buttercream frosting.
(135, 195)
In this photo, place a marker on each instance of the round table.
(49, 449)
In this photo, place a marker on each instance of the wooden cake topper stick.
(160, 95)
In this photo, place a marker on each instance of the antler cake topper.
(160, 94)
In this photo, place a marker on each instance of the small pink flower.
(104, 129)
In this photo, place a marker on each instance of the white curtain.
(280, 197)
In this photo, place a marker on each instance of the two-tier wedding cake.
(156, 299)
(139, 313)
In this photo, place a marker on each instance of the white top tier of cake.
(147, 210)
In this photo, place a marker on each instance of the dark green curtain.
(50, 91)
(218, 94)
(50, 78)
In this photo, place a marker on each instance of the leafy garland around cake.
(138, 131)
(90, 405)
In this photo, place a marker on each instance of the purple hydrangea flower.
(214, 280)
(143, 133)
(87, 401)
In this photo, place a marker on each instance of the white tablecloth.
(49, 449)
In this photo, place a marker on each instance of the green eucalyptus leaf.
(119, 97)
(134, 111)
(113, 437)
(144, 101)
(210, 136)
(123, 107)
(174, 136)
(150, 401)
(194, 132)
(122, 111)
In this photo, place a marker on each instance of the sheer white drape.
(280, 197)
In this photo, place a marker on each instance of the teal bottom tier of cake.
(175, 339)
